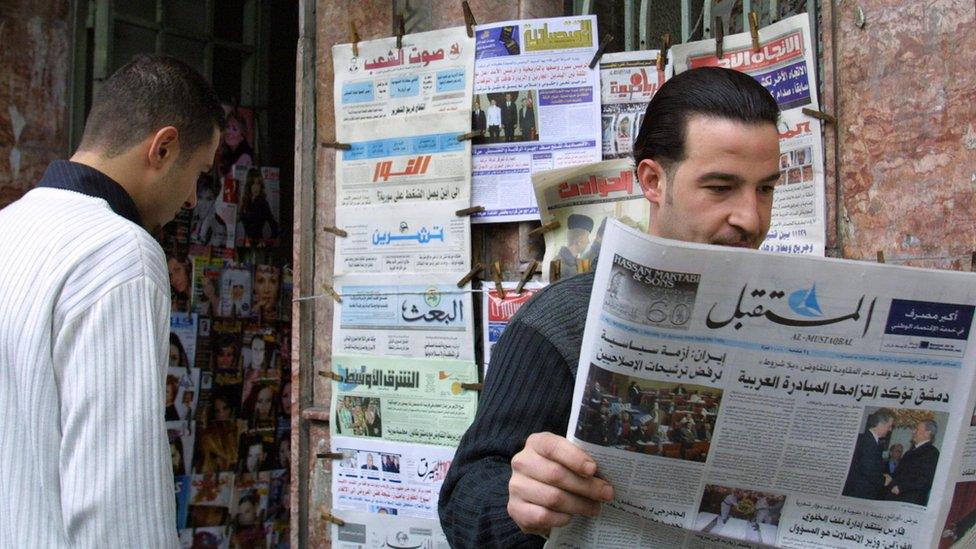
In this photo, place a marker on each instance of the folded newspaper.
(741, 398)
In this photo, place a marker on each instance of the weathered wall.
(34, 59)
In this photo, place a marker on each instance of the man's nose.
(746, 212)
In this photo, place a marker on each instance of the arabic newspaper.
(497, 312)
(403, 399)
(628, 81)
(784, 65)
(762, 398)
(581, 199)
(415, 315)
(538, 102)
(371, 531)
(389, 478)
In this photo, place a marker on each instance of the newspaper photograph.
(379, 531)
(538, 103)
(385, 478)
(774, 400)
(497, 312)
(425, 238)
(430, 75)
(582, 199)
(628, 81)
(421, 316)
(403, 399)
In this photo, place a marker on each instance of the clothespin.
(599, 52)
(881, 256)
(329, 517)
(340, 146)
(754, 30)
(555, 270)
(526, 276)
(819, 115)
(469, 211)
(545, 228)
(469, 21)
(478, 267)
(972, 263)
(354, 37)
(470, 135)
(472, 386)
(662, 54)
(582, 265)
(331, 291)
(330, 455)
(332, 375)
(336, 231)
(496, 275)
(859, 18)
(398, 25)
(719, 36)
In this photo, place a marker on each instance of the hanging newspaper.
(784, 65)
(403, 399)
(372, 531)
(537, 101)
(582, 199)
(497, 312)
(388, 478)
(422, 316)
(628, 81)
(401, 111)
(756, 397)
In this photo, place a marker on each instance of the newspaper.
(786, 66)
(497, 312)
(423, 316)
(538, 102)
(389, 478)
(581, 200)
(732, 393)
(403, 399)
(628, 81)
(373, 531)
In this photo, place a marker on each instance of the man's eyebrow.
(771, 177)
(720, 176)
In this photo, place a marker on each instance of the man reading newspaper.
(707, 158)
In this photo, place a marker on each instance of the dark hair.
(708, 91)
(881, 415)
(148, 93)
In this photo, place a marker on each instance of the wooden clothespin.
(399, 26)
(469, 211)
(354, 38)
(545, 228)
(336, 231)
(472, 386)
(662, 54)
(881, 258)
(331, 291)
(478, 267)
(469, 21)
(339, 146)
(496, 275)
(470, 135)
(599, 52)
(526, 276)
(332, 375)
(754, 30)
(330, 455)
(582, 265)
(972, 263)
(819, 115)
(719, 33)
(329, 517)
(555, 270)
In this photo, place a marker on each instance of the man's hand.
(553, 479)
(887, 479)
(895, 490)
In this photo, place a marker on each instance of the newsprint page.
(742, 398)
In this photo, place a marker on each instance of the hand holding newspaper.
(735, 397)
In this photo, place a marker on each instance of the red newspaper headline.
(772, 53)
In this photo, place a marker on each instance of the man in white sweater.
(84, 318)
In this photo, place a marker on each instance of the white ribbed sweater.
(84, 322)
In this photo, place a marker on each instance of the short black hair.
(146, 94)
(708, 91)
(881, 415)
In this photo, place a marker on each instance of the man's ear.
(164, 146)
(653, 180)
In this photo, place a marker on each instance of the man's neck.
(119, 169)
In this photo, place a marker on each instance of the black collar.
(72, 176)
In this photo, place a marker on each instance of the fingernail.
(589, 467)
(607, 493)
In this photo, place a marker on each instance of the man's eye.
(767, 189)
(719, 189)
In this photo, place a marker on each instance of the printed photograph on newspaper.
(628, 81)
(379, 531)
